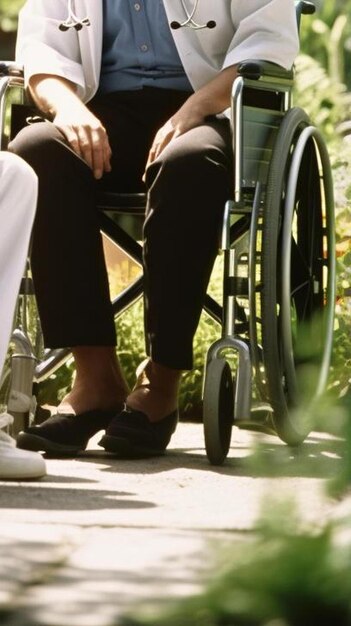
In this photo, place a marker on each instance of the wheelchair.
(278, 251)
(278, 241)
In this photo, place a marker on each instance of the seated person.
(18, 194)
(131, 87)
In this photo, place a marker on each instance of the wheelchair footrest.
(260, 420)
(256, 427)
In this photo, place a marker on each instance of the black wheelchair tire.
(218, 410)
(284, 397)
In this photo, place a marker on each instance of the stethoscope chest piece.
(72, 21)
(190, 22)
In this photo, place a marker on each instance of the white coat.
(245, 29)
(18, 198)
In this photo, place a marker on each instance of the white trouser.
(18, 197)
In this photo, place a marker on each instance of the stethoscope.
(72, 21)
(189, 22)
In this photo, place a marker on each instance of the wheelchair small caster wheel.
(218, 410)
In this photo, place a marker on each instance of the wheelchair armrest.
(255, 70)
(10, 68)
(303, 7)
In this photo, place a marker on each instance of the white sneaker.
(15, 463)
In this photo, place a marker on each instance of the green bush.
(325, 99)
(326, 37)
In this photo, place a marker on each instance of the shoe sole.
(39, 444)
(127, 450)
(20, 477)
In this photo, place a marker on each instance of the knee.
(175, 160)
(178, 170)
(42, 144)
(32, 140)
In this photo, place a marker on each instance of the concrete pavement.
(98, 537)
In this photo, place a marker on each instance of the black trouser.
(188, 186)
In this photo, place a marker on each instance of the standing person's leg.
(188, 187)
(18, 196)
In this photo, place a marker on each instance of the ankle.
(87, 395)
(99, 366)
(152, 403)
(157, 376)
(155, 392)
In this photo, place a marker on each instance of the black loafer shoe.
(132, 435)
(65, 434)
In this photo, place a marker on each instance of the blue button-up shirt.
(138, 48)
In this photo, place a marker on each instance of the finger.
(152, 154)
(148, 162)
(96, 143)
(86, 146)
(159, 146)
(72, 138)
(107, 156)
(150, 159)
(162, 139)
(101, 152)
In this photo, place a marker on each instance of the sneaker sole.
(39, 444)
(19, 477)
(127, 450)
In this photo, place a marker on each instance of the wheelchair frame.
(284, 237)
(258, 314)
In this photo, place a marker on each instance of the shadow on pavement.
(41, 498)
(47, 587)
(320, 456)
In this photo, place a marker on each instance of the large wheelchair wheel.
(218, 410)
(298, 273)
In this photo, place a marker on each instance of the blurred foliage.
(326, 37)
(282, 575)
(8, 14)
(325, 99)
